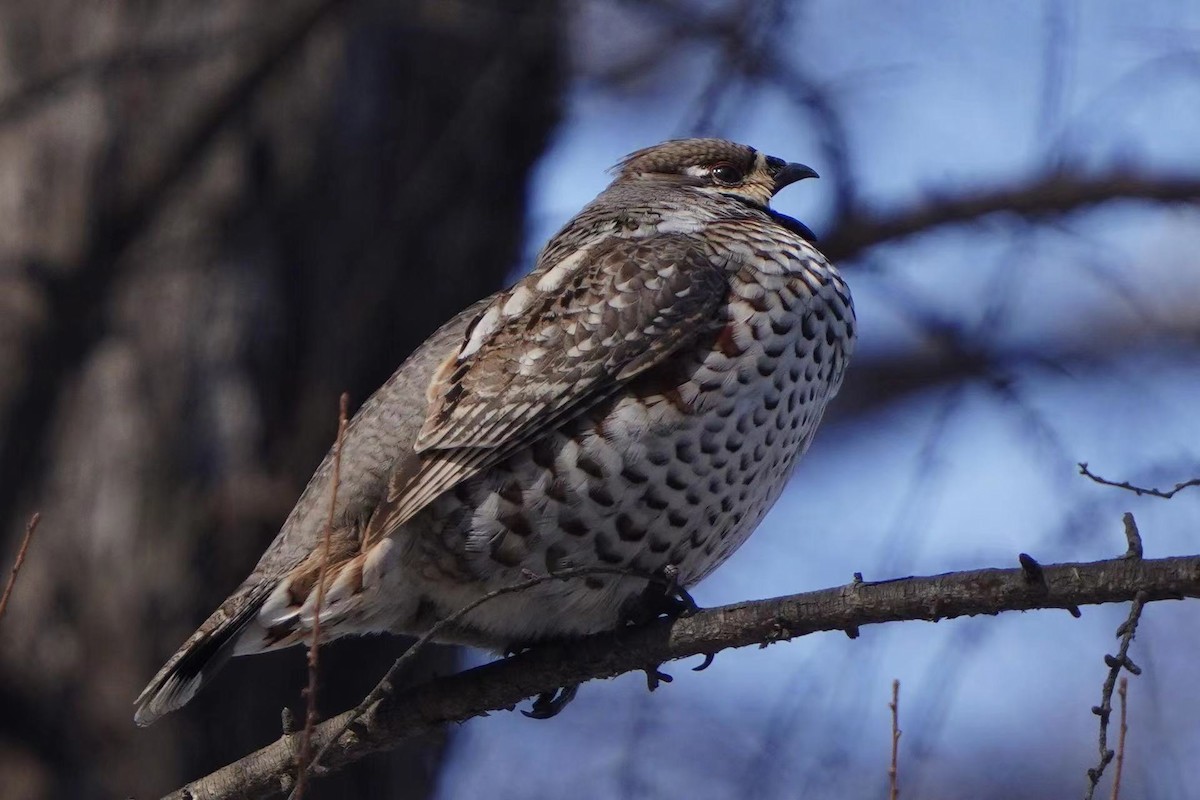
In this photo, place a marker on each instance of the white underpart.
(379, 560)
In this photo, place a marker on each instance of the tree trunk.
(219, 217)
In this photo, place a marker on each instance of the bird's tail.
(199, 659)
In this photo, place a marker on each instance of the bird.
(634, 404)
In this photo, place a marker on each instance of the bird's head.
(712, 165)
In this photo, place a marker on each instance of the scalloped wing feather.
(533, 360)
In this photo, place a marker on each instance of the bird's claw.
(708, 660)
(549, 704)
(663, 597)
(654, 677)
(677, 597)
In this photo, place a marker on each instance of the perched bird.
(635, 402)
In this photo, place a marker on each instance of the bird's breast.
(677, 468)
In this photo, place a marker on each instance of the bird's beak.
(790, 173)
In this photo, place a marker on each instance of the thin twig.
(1115, 663)
(893, 770)
(30, 527)
(314, 647)
(1138, 490)
(1116, 787)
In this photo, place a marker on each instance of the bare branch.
(1138, 490)
(502, 684)
(314, 647)
(1104, 710)
(1132, 536)
(953, 358)
(30, 527)
(1116, 787)
(893, 770)
(46, 88)
(1054, 194)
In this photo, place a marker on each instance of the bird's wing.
(554, 345)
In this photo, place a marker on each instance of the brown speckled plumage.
(638, 400)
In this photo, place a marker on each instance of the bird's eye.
(725, 174)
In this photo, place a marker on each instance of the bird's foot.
(656, 677)
(549, 704)
(515, 648)
(662, 597)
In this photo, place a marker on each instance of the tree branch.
(46, 88)
(1054, 194)
(894, 768)
(1114, 663)
(1138, 490)
(30, 527)
(314, 646)
(502, 684)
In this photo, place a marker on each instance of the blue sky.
(937, 96)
